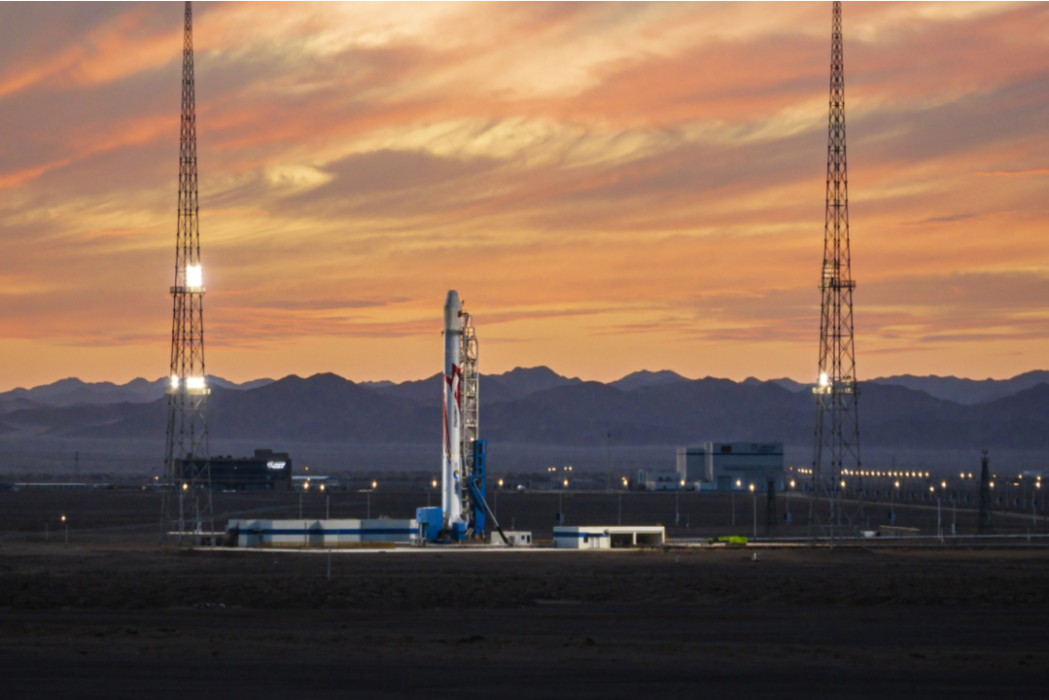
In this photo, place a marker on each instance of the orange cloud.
(610, 187)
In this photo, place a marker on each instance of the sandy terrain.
(116, 616)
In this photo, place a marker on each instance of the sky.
(610, 187)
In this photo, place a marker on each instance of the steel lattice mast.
(470, 384)
(187, 497)
(837, 435)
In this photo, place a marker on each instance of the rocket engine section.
(452, 467)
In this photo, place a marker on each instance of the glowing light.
(752, 488)
(194, 277)
(375, 484)
(185, 486)
(194, 382)
(174, 382)
(63, 518)
(566, 483)
(500, 483)
(434, 483)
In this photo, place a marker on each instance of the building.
(514, 538)
(727, 466)
(267, 470)
(659, 480)
(608, 537)
(319, 533)
(315, 483)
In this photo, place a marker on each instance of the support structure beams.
(837, 434)
(187, 471)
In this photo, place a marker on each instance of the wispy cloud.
(610, 186)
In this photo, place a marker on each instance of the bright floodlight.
(174, 382)
(194, 382)
(824, 379)
(194, 276)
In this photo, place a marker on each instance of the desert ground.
(115, 615)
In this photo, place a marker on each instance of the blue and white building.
(321, 533)
(731, 466)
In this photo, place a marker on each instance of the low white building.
(609, 536)
(515, 538)
(651, 480)
(320, 533)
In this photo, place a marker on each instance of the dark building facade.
(267, 470)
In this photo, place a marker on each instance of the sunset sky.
(609, 187)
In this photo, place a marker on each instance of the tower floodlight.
(186, 457)
(837, 434)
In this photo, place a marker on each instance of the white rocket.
(452, 467)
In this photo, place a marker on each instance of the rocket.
(452, 465)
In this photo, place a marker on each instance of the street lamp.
(755, 508)
(677, 502)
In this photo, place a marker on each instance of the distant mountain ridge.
(968, 391)
(73, 391)
(553, 410)
(513, 385)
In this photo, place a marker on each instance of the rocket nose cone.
(452, 309)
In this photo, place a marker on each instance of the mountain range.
(509, 386)
(538, 406)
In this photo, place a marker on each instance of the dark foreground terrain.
(139, 621)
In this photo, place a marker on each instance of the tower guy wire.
(187, 504)
(837, 435)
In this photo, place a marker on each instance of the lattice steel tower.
(187, 497)
(470, 383)
(837, 435)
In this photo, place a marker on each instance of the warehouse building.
(727, 466)
(267, 470)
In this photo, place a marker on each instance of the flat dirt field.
(117, 616)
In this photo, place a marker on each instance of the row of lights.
(909, 475)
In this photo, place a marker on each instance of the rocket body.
(452, 466)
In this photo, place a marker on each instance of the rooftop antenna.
(837, 434)
(187, 467)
